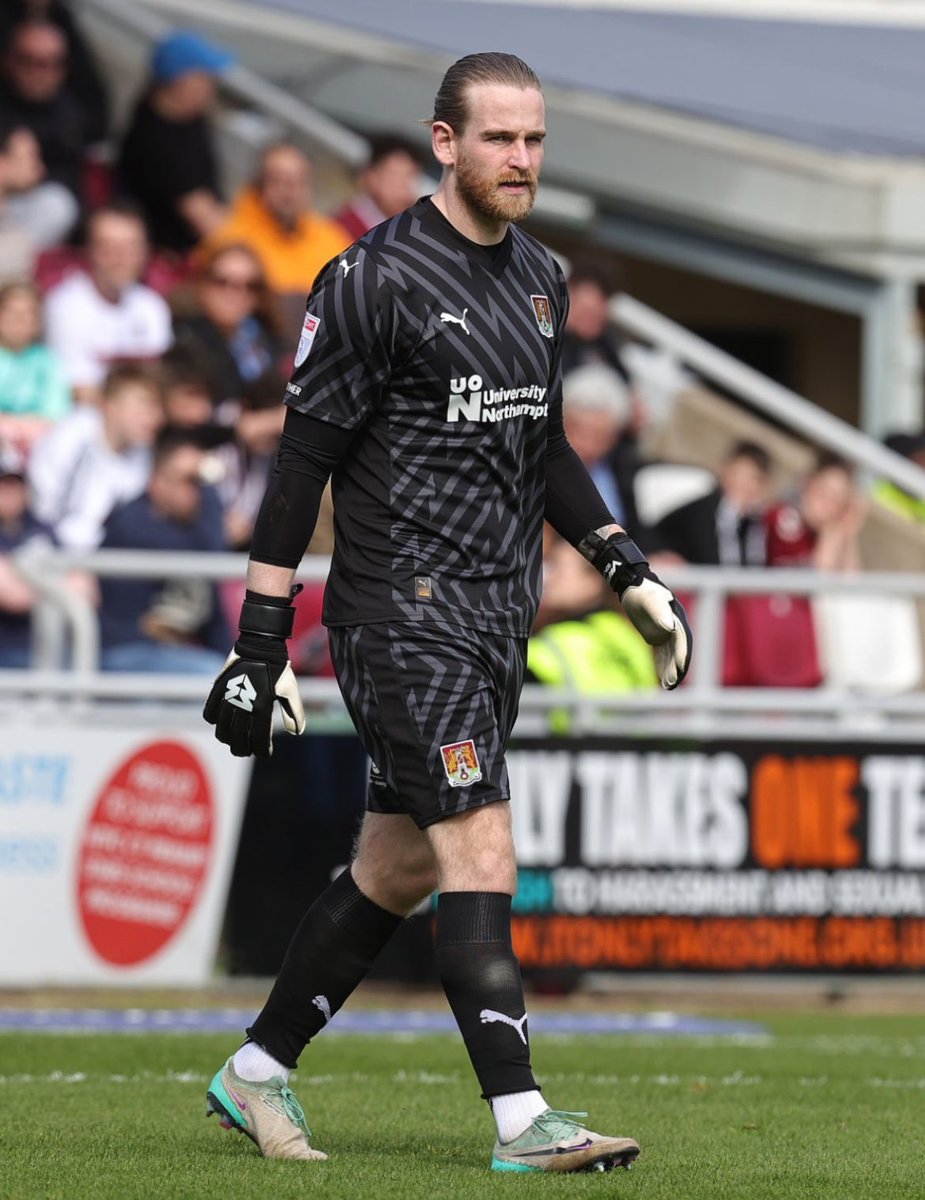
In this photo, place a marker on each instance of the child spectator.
(822, 527)
(97, 457)
(105, 314)
(145, 624)
(189, 400)
(34, 213)
(34, 391)
(726, 527)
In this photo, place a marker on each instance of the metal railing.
(779, 403)
(701, 708)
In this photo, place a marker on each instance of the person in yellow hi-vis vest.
(585, 645)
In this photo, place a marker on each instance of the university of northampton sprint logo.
(542, 310)
(461, 763)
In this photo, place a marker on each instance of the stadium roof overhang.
(800, 137)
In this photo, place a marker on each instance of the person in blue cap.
(167, 161)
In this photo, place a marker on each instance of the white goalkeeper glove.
(651, 606)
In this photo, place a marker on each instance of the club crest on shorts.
(461, 763)
(542, 310)
(309, 328)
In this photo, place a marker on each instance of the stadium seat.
(660, 488)
(869, 643)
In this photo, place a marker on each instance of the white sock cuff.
(253, 1063)
(516, 1112)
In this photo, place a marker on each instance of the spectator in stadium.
(104, 314)
(246, 461)
(34, 391)
(97, 457)
(595, 410)
(821, 527)
(727, 525)
(24, 227)
(236, 331)
(189, 399)
(584, 642)
(19, 528)
(388, 184)
(590, 336)
(84, 78)
(275, 218)
(34, 94)
(147, 624)
(167, 160)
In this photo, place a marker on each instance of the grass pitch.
(826, 1107)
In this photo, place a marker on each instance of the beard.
(483, 195)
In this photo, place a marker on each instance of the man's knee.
(475, 851)
(394, 864)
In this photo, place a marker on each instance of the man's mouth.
(515, 185)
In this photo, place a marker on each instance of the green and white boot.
(557, 1142)
(268, 1113)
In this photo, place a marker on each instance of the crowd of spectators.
(147, 324)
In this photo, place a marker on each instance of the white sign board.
(116, 850)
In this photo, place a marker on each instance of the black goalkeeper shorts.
(434, 705)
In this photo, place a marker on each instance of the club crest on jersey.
(461, 763)
(542, 310)
(310, 327)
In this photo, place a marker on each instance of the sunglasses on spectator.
(230, 283)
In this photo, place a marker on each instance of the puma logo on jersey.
(449, 319)
(488, 1016)
(241, 693)
(347, 267)
(321, 1003)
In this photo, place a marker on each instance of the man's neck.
(471, 225)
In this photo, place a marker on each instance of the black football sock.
(330, 953)
(481, 978)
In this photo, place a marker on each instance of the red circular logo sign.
(145, 853)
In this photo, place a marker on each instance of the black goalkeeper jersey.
(443, 355)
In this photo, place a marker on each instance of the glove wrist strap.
(267, 616)
(618, 559)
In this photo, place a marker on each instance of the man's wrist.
(617, 557)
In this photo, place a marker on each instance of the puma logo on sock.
(488, 1015)
(321, 1003)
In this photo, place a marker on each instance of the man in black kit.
(427, 381)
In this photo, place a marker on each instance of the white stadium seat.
(660, 488)
(869, 643)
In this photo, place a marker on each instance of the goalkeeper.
(428, 382)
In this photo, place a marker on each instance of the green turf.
(828, 1107)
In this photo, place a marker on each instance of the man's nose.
(519, 156)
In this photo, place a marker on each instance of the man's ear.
(443, 141)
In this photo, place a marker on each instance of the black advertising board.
(718, 856)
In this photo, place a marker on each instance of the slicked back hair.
(488, 67)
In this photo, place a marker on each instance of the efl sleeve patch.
(310, 327)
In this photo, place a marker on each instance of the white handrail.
(698, 708)
(773, 399)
